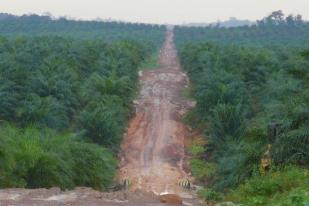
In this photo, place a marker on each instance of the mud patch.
(153, 150)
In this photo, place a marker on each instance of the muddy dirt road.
(153, 148)
(152, 154)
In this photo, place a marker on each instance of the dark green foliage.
(242, 89)
(70, 96)
(292, 144)
(44, 158)
(226, 121)
(288, 187)
(210, 195)
(286, 30)
(49, 81)
(96, 164)
(96, 120)
(50, 171)
(34, 25)
(236, 161)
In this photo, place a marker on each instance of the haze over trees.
(35, 25)
(231, 22)
(276, 29)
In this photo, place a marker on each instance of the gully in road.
(153, 147)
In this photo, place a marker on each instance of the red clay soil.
(153, 150)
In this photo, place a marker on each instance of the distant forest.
(35, 25)
(274, 29)
(231, 22)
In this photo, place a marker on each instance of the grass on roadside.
(286, 187)
(187, 93)
(151, 63)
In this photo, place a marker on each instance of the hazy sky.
(158, 11)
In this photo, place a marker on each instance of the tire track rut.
(153, 149)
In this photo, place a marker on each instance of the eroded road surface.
(153, 152)
(153, 148)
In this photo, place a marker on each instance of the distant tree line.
(275, 29)
(35, 25)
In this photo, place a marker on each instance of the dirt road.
(153, 148)
(152, 151)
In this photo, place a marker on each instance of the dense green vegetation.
(65, 101)
(285, 188)
(34, 25)
(33, 157)
(276, 29)
(66, 91)
(251, 90)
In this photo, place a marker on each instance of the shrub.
(93, 166)
(202, 170)
(226, 121)
(50, 171)
(210, 195)
(278, 186)
(44, 158)
(104, 120)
